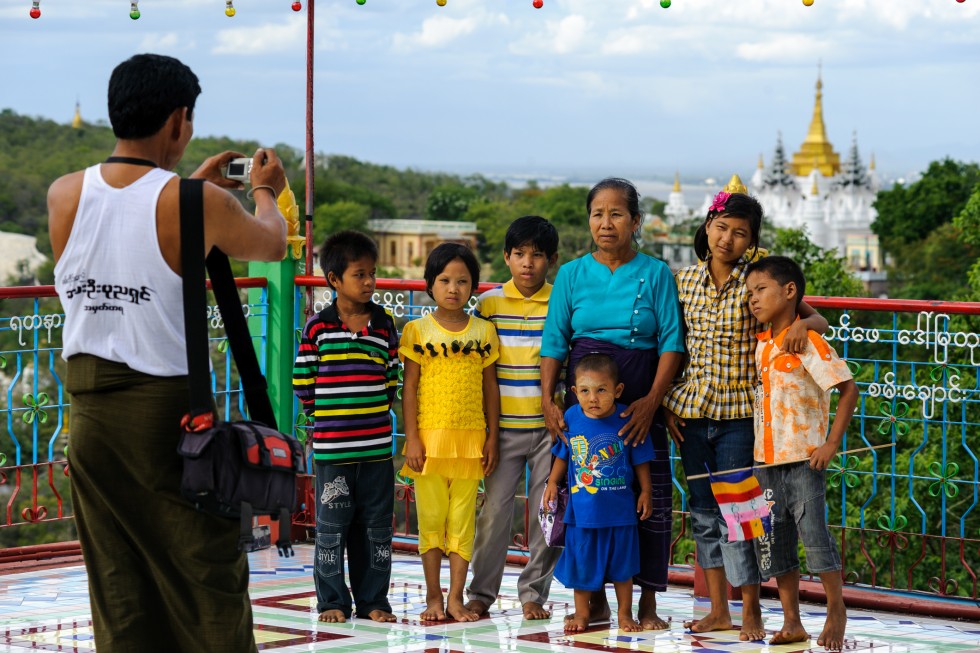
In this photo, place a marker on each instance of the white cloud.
(261, 39)
(163, 41)
(635, 40)
(559, 37)
(436, 31)
(787, 48)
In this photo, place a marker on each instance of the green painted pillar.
(281, 339)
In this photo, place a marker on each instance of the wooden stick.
(788, 462)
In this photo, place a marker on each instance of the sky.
(582, 88)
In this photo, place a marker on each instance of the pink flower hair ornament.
(718, 203)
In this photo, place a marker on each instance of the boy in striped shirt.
(345, 375)
(518, 310)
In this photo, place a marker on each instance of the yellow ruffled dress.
(451, 421)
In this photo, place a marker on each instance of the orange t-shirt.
(792, 401)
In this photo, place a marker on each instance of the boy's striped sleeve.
(393, 361)
(306, 366)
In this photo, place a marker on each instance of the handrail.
(885, 305)
(20, 292)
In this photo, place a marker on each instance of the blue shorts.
(798, 508)
(595, 556)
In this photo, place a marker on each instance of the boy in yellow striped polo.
(518, 310)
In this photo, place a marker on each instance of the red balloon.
(538, 4)
(297, 6)
(35, 12)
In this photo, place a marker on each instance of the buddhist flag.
(740, 499)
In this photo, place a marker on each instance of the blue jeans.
(720, 445)
(798, 512)
(355, 508)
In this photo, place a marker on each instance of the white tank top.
(122, 301)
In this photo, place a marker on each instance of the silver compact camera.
(239, 169)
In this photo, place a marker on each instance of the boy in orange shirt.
(791, 414)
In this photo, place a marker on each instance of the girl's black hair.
(738, 205)
(624, 186)
(442, 256)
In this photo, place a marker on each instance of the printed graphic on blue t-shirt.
(600, 470)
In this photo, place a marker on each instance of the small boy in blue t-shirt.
(601, 534)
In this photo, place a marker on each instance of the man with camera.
(162, 575)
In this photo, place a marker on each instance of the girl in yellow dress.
(452, 410)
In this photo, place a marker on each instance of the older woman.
(620, 302)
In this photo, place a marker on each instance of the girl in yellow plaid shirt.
(709, 410)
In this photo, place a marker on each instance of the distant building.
(405, 244)
(676, 210)
(76, 121)
(816, 191)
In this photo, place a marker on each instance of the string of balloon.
(134, 9)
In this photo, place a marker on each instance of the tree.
(337, 216)
(450, 202)
(934, 267)
(909, 214)
(968, 222)
(825, 272)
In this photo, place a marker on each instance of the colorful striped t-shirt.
(520, 322)
(348, 380)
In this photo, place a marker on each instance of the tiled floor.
(48, 611)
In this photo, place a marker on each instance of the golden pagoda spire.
(872, 166)
(76, 121)
(735, 185)
(816, 150)
(677, 181)
(761, 165)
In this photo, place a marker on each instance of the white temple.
(831, 200)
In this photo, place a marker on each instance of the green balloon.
(664, 3)
(134, 14)
(360, 2)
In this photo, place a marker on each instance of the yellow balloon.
(230, 11)
(808, 3)
(442, 3)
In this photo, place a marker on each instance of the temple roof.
(816, 151)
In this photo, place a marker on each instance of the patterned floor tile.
(47, 610)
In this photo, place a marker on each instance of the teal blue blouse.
(634, 307)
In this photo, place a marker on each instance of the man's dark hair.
(442, 256)
(535, 230)
(145, 90)
(343, 248)
(600, 364)
(783, 270)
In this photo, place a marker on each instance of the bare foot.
(435, 609)
(381, 615)
(575, 623)
(788, 635)
(627, 623)
(479, 607)
(459, 612)
(332, 617)
(598, 613)
(832, 636)
(711, 622)
(752, 629)
(534, 611)
(647, 613)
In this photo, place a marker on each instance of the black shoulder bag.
(231, 469)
